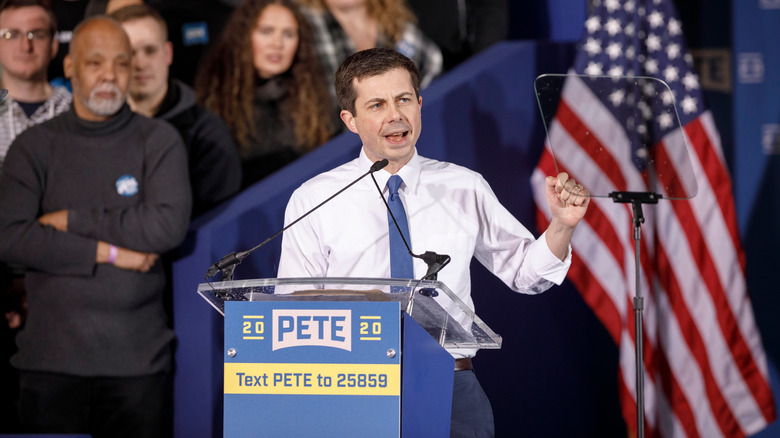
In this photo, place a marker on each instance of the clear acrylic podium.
(341, 356)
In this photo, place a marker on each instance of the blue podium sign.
(312, 368)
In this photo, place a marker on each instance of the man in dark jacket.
(215, 167)
(90, 198)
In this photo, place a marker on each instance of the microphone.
(228, 263)
(435, 262)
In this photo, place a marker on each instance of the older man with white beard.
(89, 199)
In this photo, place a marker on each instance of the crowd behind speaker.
(275, 113)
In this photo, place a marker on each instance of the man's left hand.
(56, 219)
(566, 199)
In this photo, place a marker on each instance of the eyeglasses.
(32, 35)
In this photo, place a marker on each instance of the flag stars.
(667, 97)
(649, 88)
(647, 112)
(630, 123)
(633, 37)
(614, 50)
(690, 81)
(673, 51)
(594, 69)
(651, 66)
(629, 29)
(630, 99)
(592, 46)
(671, 74)
(665, 121)
(615, 70)
(689, 105)
(656, 19)
(592, 24)
(674, 27)
(617, 97)
(612, 5)
(653, 43)
(613, 26)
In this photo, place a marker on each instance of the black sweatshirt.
(215, 167)
(123, 181)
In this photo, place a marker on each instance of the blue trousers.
(472, 415)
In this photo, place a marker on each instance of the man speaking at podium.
(439, 207)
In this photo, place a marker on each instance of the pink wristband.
(113, 251)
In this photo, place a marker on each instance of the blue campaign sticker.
(127, 185)
(195, 33)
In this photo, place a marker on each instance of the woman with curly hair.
(263, 78)
(343, 27)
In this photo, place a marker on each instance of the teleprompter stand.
(636, 199)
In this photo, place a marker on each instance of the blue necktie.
(400, 259)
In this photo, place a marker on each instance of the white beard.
(104, 107)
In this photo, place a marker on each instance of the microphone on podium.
(228, 263)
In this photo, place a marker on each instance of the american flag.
(705, 370)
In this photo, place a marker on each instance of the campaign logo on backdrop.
(714, 67)
(195, 33)
(750, 68)
(770, 138)
(64, 36)
(769, 4)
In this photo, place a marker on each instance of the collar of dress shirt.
(410, 172)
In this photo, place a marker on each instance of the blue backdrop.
(756, 167)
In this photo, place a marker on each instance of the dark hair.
(366, 64)
(43, 4)
(226, 79)
(136, 12)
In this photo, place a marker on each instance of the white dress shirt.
(451, 210)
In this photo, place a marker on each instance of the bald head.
(98, 65)
(93, 29)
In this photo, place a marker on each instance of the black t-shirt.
(30, 107)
